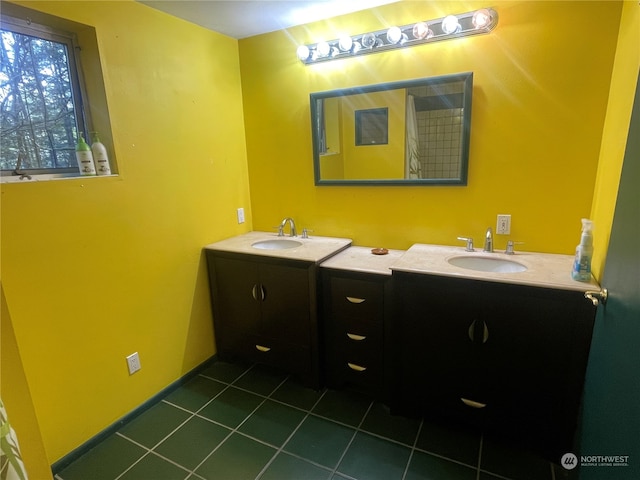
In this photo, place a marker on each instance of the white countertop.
(360, 259)
(313, 249)
(543, 269)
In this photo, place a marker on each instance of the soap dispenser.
(584, 251)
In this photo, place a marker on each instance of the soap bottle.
(84, 157)
(100, 156)
(584, 251)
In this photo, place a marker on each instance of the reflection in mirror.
(423, 137)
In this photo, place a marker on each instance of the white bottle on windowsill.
(100, 157)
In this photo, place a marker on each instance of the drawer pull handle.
(473, 404)
(355, 337)
(355, 300)
(355, 367)
(263, 349)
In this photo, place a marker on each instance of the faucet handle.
(469, 241)
(280, 229)
(510, 250)
(305, 232)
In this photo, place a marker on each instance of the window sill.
(48, 177)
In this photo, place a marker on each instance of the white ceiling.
(246, 18)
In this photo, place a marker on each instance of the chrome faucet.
(292, 226)
(488, 241)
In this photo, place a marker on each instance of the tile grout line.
(413, 449)
(191, 416)
(235, 429)
(357, 429)
(281, 448)
(480, 456)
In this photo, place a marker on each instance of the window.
(43, 105)
(372, 126)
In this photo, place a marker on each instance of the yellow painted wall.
(95, 269)
(541, 82)
(16, 396)
(381, 161)
(616, 130)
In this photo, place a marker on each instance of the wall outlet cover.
(503, 225)
(133, 363)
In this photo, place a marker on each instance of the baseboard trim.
(72, 456)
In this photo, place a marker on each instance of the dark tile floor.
(233, 422)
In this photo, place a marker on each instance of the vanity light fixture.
(451, 26)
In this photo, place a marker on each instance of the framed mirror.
(414, 132)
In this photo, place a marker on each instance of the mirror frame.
(466, 78)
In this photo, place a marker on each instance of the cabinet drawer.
(357, 368)
(293, 358)
(362, 337)
(352, 298)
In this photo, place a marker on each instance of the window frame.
(48, 28)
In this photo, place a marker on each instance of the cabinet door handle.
(355, 367)
(355, 300)
(258, 292)
(472, 403)
(356, 337)
(472, 332)
(263, 349)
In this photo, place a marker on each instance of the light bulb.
(481, 18)
(368, 40)
(394, 35)
(345, 43)
(450, 24)
(323, 49)
(303, 52)
(421, 31)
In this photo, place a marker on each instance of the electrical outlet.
(503, 226)
(240, 215)
(133, 362)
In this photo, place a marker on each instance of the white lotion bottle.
(84, 157)
(100, 157)
(584, 251)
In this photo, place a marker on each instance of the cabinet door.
(286, 304)
(439, 359)
(534, 358)
(235, 305)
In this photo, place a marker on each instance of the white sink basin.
(487, 264)
(276, 244)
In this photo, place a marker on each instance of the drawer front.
(252, 348)
(287, 356)
(351, 298)
(356, 368)
(362, 338)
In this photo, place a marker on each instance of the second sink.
(276, 244)
(487, 264)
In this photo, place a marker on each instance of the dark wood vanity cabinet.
(507, 358)
(354, 308)
(265, 311)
